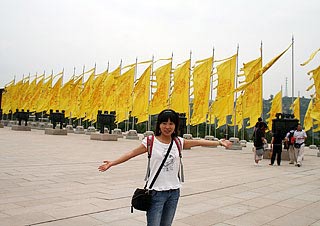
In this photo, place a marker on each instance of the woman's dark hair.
(164, 116)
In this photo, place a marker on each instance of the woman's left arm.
(207, 143)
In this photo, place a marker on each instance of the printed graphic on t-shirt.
(168, 165)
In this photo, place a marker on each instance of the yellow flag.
(36, 95)
(201, 84)
(109, 91)
(160, 97)
(54, 103)
(316, 78)
(141, 96)
(7, 98)
(179, 99)
(22, 93)
(311, 57)
(85, 96)
(43, 100)
(315, 112)
(296, 108)
(252, 97)
(96, 99)
(239, 113)
(307, 118)
(223, 105)
(15, 101)
(74, 104)
(65, 97)
(276, 107)
(28, 95)
(262, 70)
(123, 94)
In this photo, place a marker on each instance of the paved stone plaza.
(51, 180)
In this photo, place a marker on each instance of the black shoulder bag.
(141, 198)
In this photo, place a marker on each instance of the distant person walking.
(259, 141)
(289, 145)
(276, 147)
(299, 139)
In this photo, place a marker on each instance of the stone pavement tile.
(116, 215)
(279, 196)
(10, 193)
(8, 206)
(265, 190)
(187, 200)
(72, 211)
(205, 219)
(247, 195)
(3, 215)
(63, 194)
(315, 191)
(236, 209)
(311, 211)
(308, 197)
(77, 202)
(294, 203)
(32, 209)
(178, 223)
(260, 202)
(25, 219)
(75, 221)
(131, 222)
(197, 208)
(293, 220)
(315, 223)
(249, 219)
(14, 200)
(39, 202)
(222, 201)
(117, 203)
(274, 211)
(221, 224)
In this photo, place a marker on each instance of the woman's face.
(167, 128)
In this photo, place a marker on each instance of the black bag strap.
(160, 168)
(150, 140)
(180, 173)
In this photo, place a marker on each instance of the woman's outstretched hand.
(225, 143)
(105, 166)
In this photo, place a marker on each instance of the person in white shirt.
(299, 139)
(166, 190)
(290, 147)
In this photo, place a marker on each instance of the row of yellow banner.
(312, 116)
(154, 91)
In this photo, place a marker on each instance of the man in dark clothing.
(276, 146)
(258, 143)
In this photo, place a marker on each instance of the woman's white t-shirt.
(168, 177)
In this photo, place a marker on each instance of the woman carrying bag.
(165, 191)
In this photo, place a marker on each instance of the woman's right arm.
(125, 157)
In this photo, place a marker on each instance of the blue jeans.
(163, 207)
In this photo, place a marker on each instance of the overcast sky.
(46, 35)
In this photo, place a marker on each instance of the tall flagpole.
(211, 91)
(150, 94)
(261, 83)
(170, 82)
(134, 79)
(189, 107)
(292, 69)
(236, 95)
(82, 88)
(116, 101)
